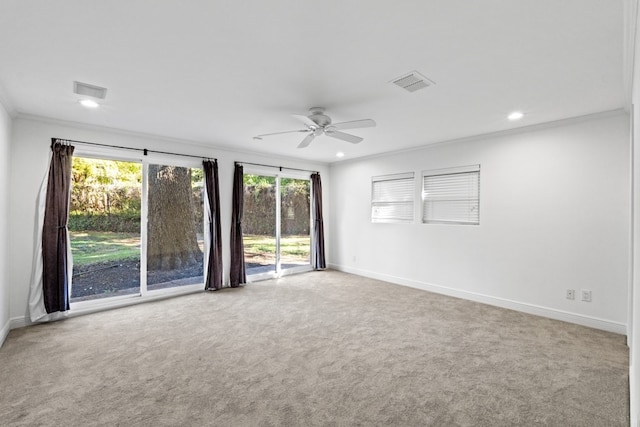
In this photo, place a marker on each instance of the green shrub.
(260, 212)
(128, 222)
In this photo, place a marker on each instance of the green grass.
(295, 245)
(101, 246)
(257, 246)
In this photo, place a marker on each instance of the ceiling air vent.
(412, 82)
(89, 90)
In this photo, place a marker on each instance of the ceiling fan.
(318, 123)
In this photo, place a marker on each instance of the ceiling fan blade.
(306, 120)
(280, 133)
(366, 123)
(343, 136)
(307, 140)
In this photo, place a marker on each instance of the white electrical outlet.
(571, 294)
(586, 295)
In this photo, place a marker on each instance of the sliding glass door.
(174, 226)
(136, 227)
(295, 238)
(259, 224)
(104, 228)
(276, 224)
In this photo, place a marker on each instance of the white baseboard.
(5, 331)
(20, 322)
(551, 313)
(93, 306)
(634, 407)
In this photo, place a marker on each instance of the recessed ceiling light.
(516, 115)
(339, 154)
(89, 103)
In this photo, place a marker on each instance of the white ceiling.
(218, 73)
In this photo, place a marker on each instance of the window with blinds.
(392, 198)
(451, 196)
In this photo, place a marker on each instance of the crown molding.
(499, 133)
(231, 150)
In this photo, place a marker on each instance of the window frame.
(451, 172)
(410, 177)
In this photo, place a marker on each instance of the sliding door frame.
(278, 175)
(115, 154)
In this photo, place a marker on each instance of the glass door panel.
(174, 226)
(259, 224)
(104, 228)
(295, 240)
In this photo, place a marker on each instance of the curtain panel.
(49, 295)
(213, 261)
(238, 274)
(318, 224)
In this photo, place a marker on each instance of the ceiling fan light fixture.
(317, 124)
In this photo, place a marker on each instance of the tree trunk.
(172, 235)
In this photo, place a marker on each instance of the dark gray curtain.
(238, 273)
(55, 280)
(318, 226)
(213, 279)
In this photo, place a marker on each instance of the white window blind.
(392, 198)
(451, 195)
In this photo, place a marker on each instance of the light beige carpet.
(323, 348)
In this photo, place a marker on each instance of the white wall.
(554, 215)
(5, 137)
(634, 356)
(29, 163)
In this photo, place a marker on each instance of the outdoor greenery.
(258, 181)
(260, 248)
(107, 195)
(93, 247)
(128, 222)
(260, 205)
(105, 220)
